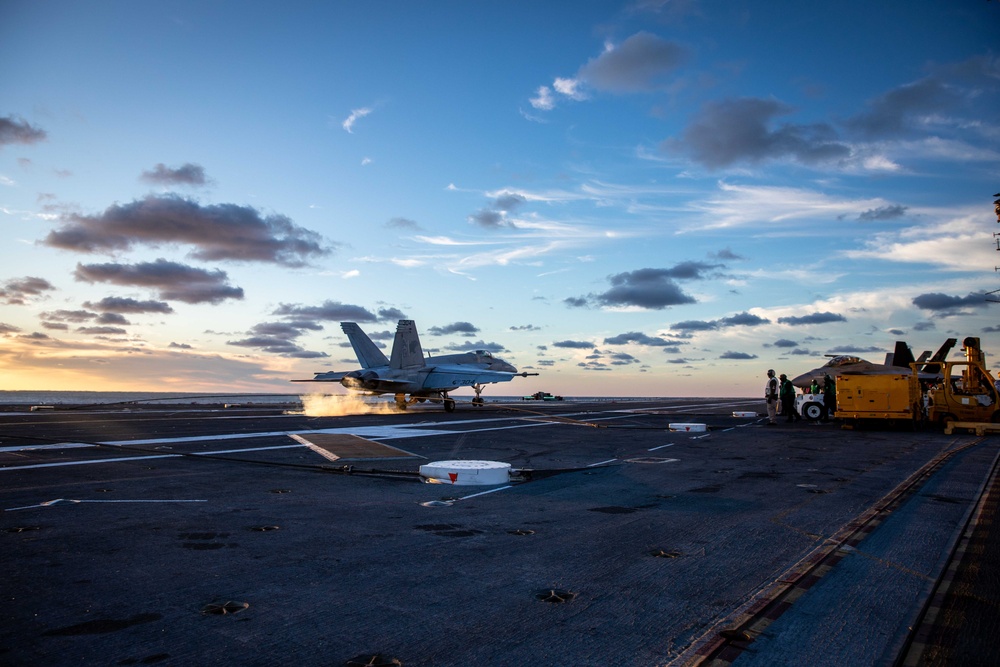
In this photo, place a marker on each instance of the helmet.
(770, 373)
(783, 376)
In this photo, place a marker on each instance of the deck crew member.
(787, 392)
(771, 397)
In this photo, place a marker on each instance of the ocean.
(119, 397)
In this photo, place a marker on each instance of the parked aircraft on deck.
(896, 362)
(407, 372)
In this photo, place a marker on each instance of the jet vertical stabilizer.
(934, 365)
(900, 357)
(406, 350)
(369, 356)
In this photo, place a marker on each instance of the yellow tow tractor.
(957, 394)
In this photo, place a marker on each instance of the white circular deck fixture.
(744, 414)
(689, 428)
(460, 473)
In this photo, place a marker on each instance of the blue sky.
(631, 198)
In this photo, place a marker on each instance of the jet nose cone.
(803, 381)
(501, 365)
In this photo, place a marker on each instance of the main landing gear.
(446, 401)
(478, 400)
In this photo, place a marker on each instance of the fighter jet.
(407, 372)
(896, 362)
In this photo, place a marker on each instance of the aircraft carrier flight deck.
(624, 535)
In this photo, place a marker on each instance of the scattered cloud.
(120, 304)
(695, 325)
(477, 345)
(462, 328)
(743, 130)
(744, 319)
(402, 223)
(218, 232)
(574, 344)
(639, 338)
(279, 338)
(173, 281)
(813, 318)
(950, 238)
(16, 130)
(187, 174)
(640, 63)
(937, 301)
(101, 331)
(356, 115)
(543, 99)
(78, 316)
(19, 291)
(912, 106)
(883, 213)
(498, 213)
(651, 289)
(738, 356)
(329, 311)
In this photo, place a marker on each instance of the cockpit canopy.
(843, 360)
(483, 354)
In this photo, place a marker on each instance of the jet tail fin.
(934, 365)
(901, 356)
(369, 356)
(406, 350)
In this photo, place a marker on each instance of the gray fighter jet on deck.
(896, 362)
(407, 372)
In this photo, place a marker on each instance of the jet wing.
(329, 376)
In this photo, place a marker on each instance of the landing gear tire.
(814, 411)
(400, 401)
(449, 405)
(478, 402)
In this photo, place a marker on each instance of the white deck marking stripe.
(483, 493)
(374, 432)
(50, 503)
(143, 458)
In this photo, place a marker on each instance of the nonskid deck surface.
(631, 545)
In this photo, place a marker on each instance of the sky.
(639, 198)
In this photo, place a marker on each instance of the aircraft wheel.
(449, 405)
(478, 402)
(814, 411)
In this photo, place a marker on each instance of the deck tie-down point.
(217, 609)
(664, 553)
(555, 596)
